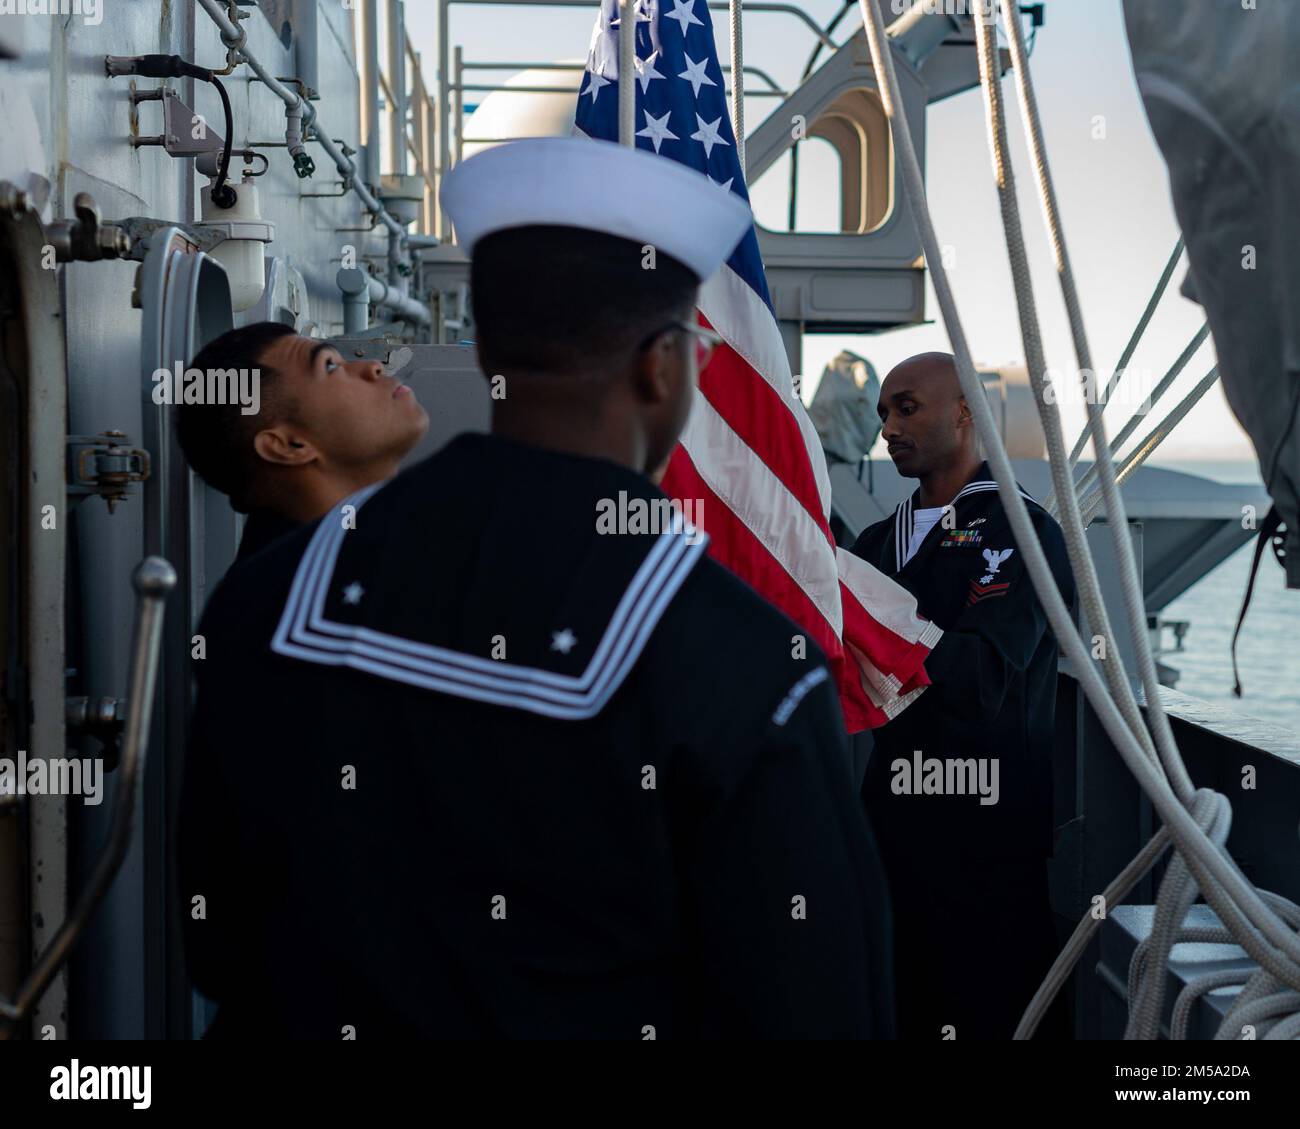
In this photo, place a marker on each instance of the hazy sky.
(1113, 195)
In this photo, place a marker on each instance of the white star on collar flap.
(581, 182)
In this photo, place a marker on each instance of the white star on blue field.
(681, 106)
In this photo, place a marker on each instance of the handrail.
(459, 55)
(715, 5)
(383, 85)
(154, 578)
(443, 101)
(1084, 485)
(487, 87)
(773, 87)
(1093, 501)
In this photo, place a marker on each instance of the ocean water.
(1268, 652)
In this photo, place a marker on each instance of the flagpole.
(738, 86)
(626, 73)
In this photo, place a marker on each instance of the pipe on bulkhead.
(235, 38)
(361, 290)
(356, 300)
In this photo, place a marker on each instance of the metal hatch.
(184, 299)
(33, 376)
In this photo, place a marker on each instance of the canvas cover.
(1220, 80)
(843, 409)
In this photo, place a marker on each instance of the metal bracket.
(140, 229)
(393, 329)
(178, 124)
(105, 465)
(101, 718)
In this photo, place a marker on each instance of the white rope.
(1262, 983)
(738, 83)
(1177, 893)
(1090, 599)
(1237, 903)
(1211, 868)
(1130, 581)
(1269, 1008)
(1200, 936)
(1193, 992)
(1287, 1029)
(1224, 886)
(1083, 933)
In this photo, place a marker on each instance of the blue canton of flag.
(681, 104)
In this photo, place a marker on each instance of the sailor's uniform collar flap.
(339, 614)
(982, 483)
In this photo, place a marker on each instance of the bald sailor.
(495, 749)
(959, 785)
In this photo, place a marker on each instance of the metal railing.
(459, 87)
(449, 100)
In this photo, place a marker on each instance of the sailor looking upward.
(468, 764)
(323, 428)
(959, 786)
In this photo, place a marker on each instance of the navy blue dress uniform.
(261, 528)
(965, 849)
(465, 766)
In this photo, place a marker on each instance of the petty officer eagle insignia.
(986, 587)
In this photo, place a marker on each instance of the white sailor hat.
(601, 186)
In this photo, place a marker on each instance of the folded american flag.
(749, 451)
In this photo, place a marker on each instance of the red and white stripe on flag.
(750, 453)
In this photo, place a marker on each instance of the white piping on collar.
(305, 633)
(903, 518)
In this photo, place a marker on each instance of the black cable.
(173, 66)
(1269, 531)
(222, 194)
(1036, 14)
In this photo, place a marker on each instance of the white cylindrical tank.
(241, 252)
(1011, 397)
(506, 115)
